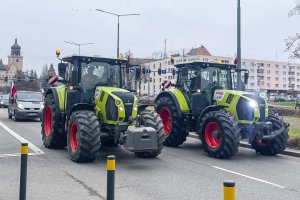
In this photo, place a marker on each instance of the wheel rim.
(48, 121)
(212, 136)
(165, 116)
(73, 138)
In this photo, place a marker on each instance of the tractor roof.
(71, 59)
(205, 65)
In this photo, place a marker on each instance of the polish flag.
(236, 60)
(13, 89)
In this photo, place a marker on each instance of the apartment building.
(269, 78)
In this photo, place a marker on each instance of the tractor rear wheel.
(152, 119)
(53, 133)
(220, 134)
(83, 136)
(175, 134)
(276, 145)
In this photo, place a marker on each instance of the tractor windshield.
(196, 78)
(100, 73)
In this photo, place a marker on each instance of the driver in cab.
(90, 79)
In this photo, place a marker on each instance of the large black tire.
(175, 133)
(152, 119)
(53, 132)
(276, 145)
(220, 134)
(83, 136)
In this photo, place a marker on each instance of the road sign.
(148, 71)
(53, 80)
(167, 84)
(164, 71)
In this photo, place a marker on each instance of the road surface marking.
(16, 155)
(21, 139)
(246, 176)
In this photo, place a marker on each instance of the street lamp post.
(78, 44)
(118, 36)
(239, 56)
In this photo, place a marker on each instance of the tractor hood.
(115, 104)
(244, 106)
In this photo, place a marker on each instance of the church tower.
(15, 59)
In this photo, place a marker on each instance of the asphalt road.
(178, 173)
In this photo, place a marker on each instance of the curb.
(287, 152)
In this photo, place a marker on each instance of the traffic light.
(159, 71)
(5, 79)
(143, 70)
(137, 73)
(172, 59)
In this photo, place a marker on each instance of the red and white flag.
(235, 60)
(13, 89)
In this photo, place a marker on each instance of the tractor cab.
(86, 73)
(198, 82)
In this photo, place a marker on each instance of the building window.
(153, 66)
(154, 88)
(144, 87)
(284, 73)
(252, 70)
(277, 72)
(284, 79)
(284, 66)
(268, 65)
(159, 64)
(251, 77)
(268, 84)
(277, 85)
(276, 78)
(284, 85)
(268, 72)
(160, 80)
(277, 66)
(268, 78)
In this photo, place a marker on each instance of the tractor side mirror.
(74, 78)
(246, 77)
(62, 69)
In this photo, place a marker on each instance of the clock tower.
(15, 59)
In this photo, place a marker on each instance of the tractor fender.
(54, 92)
(81, 106)
(205, 111)
(174, 99)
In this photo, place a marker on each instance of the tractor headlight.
(121, 108)
(42, 106)
(118, 102)
(20, 106)
(253, 104)
(135, 108)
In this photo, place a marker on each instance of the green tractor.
(204, 101)
(91, 109)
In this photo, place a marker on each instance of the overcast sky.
(42, 27)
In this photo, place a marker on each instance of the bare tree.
(292, 43)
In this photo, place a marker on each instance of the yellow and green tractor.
(204, 101)
(90, 109)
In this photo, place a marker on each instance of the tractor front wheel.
(152, 119)
(277, 144)
(53, 133)
(175, 134)
(83, 136)
(220, 134)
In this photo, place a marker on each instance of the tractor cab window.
(194, 79)
(100, 73)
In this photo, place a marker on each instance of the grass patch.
(289, 104)
(294, 126)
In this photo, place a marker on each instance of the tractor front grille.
(111, 109)
(244, 110)
(261, 104)
(128, 100)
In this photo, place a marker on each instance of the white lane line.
(21, 139)
(246, 176)
(16, 155)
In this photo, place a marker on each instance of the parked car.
(4, 100)
(26, 105)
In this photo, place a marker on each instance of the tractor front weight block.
(140, 139)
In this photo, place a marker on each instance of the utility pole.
(239, 78)
(165, 53)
